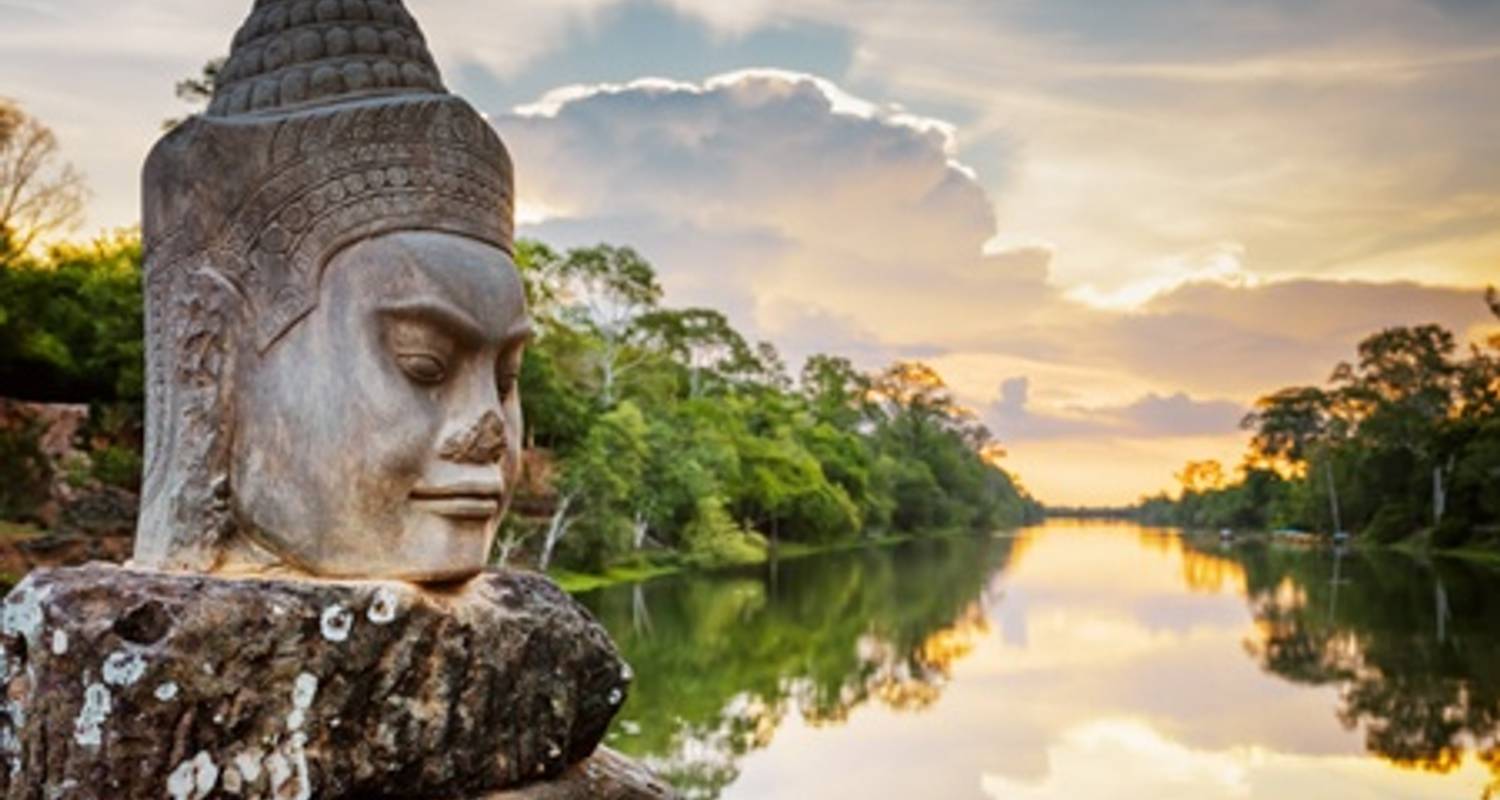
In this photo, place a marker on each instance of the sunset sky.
(1109, 225)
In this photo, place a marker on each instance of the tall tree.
(1287, 424)
(1404, 389)
(40, 194)
(1290, 425)
(837, 392)
(703, 339)
(914, 400)
(1402, 384)
(606, 291)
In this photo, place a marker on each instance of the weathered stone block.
(130, 684)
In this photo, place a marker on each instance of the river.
(1070, 660)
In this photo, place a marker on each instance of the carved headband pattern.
(299, 175)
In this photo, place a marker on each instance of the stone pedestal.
(130, 684)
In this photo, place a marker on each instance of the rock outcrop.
(131, 684)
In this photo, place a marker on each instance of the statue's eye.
(422, 367)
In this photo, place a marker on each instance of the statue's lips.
(462, 500)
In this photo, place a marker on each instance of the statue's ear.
(195, 325)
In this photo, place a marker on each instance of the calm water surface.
(1068, 661)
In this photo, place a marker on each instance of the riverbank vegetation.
(663, 432)
(1402, 444)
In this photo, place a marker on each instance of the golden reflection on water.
(1049, 555)
(1100, 661)
(1123, 556)
(935, 656)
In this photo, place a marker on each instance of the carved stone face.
(380, 437)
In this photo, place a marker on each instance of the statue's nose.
(483, 442)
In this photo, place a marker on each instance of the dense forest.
(1402, 443)
(653, 433)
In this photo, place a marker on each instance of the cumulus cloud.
(865, 212)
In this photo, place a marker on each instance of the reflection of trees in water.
(913, 681)
(1414, 647)
(1202, 572)
(723, 659)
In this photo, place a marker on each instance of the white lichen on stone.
(247, 764)
(193, 779)
(615, 696)
(123, 668)
(16, 711)
(336, 623)
(208, 774)
(59, 642)
(166, 691)
(88, 727)
(626, 673)
(180, 782)
(289, 775)
(304, 689)
(23, 613)
(278, 769)
(384, 606)
(303, 776)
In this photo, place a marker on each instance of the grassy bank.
(1418, 545)
(672, 564)
(19, 530)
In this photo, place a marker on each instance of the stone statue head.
(334, 323)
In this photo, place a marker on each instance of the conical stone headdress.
(329, 124)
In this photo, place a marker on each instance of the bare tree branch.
(39, 194)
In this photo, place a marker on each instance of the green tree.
(607, 291)
(598, 490)
(836, 392)
(701, 339)
(71, 324)
(1400, 442)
